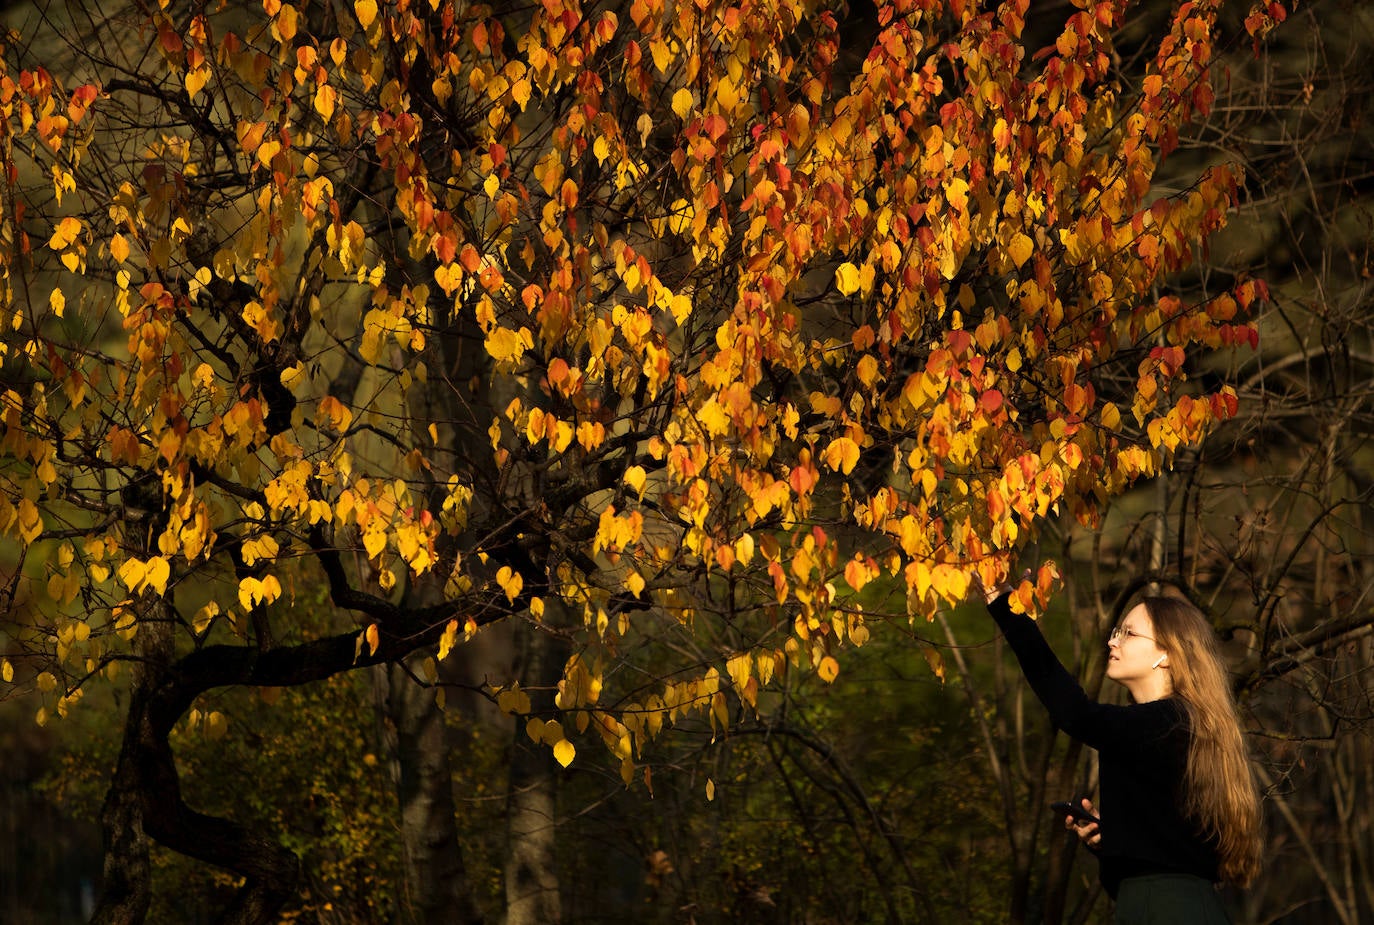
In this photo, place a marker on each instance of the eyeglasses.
(1121, 634)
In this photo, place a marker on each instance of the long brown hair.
(1220, 794)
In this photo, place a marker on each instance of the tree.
(635, 324)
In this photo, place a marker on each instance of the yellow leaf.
(564, 752)
(956, 193)
(58, 303)
(204, 616)
(131, 573)
(29, 519)
(158, 572)
(510, 582)
(682, 103)
(662, 54)
(681, 307)
(196, 79)
(250, 592)
(867, 369)
(591, 434)
(268, 150)
(713, 418)
(744, 549)
(292, 374)
(374, 541)
(561, 437)
(447, 640)
(828, 669)
(936, 663)
(949, 267)
(1020, 249)
(65, 233)
(119, 248)
(373, 636)
(505, 345)
(634, 478)
(514, 701)
(842, 454)
(847, 278)
(710, 790)
(6, 671)
(285, 24)
(949, 582)
(366, 11)
(739, 668)
(325, 98)
(727, 93)
(634, 582)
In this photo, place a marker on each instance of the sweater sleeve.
(1097, 725)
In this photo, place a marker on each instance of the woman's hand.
(987, 594)
(975, 583)
(1087, 832)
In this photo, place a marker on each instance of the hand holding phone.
(1075, 810)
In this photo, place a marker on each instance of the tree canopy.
(644, 323)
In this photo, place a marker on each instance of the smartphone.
(1074, 809)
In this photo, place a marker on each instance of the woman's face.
(1133, 655)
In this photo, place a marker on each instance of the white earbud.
(1159, 661)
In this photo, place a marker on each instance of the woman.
(1179, 807)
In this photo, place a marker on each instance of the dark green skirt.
(1169, 899)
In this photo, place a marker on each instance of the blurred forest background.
(916, 790)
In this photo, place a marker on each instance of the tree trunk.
(144, 802)
(126, 886)
(437, 884)
(532, 890)
(126, 878)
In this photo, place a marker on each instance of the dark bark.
(532, 886)
(438, 889)
(145, 801)
(145, 794)
(126, 889)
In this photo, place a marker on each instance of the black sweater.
(1142, 754)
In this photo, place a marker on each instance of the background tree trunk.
(438, 889)
(532, 885)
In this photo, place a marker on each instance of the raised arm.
(1100, 726)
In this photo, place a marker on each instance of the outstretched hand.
(987, 594)
(991, 594)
